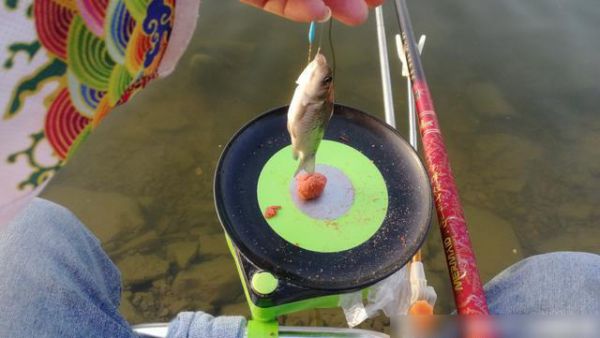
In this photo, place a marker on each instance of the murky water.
(516, 87)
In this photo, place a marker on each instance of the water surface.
(516, 89)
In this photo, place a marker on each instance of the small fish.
(310, 111)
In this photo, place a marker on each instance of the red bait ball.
(310, 186)
(272, 211)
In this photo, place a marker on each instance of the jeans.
(56, 281)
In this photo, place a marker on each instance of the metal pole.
(412, 116)
(160, 330)
(386, 82)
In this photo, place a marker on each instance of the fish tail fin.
(307, 163)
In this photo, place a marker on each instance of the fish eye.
(327, 79)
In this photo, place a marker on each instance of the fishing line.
(332, 49)
(312, 32)
(320, 36)
(311, 39)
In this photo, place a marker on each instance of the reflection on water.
(515, 85)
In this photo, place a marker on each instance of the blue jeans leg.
(55, 279)
(554, 284)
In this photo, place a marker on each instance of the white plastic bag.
(393, 295)
(418, 285)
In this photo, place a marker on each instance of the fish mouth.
(320, 59)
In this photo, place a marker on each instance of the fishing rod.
(468, 291)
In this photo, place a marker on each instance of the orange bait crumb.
(421, 308)
(310, 186)
(272, 211)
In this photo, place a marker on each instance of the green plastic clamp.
(259, 329)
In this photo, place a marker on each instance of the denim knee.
(561, 284)
(51, 266)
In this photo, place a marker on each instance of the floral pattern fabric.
(65, 64)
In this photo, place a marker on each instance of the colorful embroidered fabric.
(65, 65)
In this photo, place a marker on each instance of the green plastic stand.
(260, 329)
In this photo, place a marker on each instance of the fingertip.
(326, 16)
(374, 3)
(255, 3)
(306, 11)
(355, 19)
(349, 12)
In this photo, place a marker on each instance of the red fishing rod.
(464, 275)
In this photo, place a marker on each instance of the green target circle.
(361, 221)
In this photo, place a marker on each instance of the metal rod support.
(386, 82)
